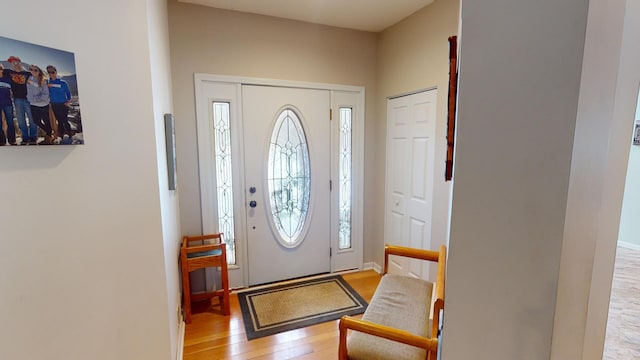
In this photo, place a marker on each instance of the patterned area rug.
(291, 306)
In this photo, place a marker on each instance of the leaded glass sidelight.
(224, 178)
(289, 177)
(344, 178)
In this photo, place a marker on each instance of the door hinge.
(330, 252)
(330, 114)
(330, 185)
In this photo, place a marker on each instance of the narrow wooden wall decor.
(451, 112)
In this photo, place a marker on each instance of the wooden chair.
(388, 304)
(210, 253)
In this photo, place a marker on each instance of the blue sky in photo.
(42, 56)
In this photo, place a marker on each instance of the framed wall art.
(451, 105)
(170, 143)
(39, 97)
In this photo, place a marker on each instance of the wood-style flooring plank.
(214, 336)
(622, 340)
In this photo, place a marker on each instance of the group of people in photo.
(39, 99)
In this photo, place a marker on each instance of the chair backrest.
(204, 244)
(208, 251)
(437, 302)
(204, 239)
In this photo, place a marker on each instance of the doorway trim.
(238, 273)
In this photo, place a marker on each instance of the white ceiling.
(367, 15)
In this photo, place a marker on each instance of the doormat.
(279, 308)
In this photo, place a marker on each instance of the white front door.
(287, 174)
(410, 164)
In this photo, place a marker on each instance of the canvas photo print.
(39, 98)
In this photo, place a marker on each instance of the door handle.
(253, 203)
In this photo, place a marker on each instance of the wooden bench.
(402, 320)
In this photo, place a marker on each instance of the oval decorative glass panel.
(289, 178)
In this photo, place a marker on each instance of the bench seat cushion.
(401, 302)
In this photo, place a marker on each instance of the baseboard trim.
(180, 352)
(628, 245)
(372, 266)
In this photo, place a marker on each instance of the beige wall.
(414, 55)
(212, 41)
(409, 56)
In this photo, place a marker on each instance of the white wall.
(82, 272)
(629, 235)
(519, 79)
(162, 104)
(414, 55)
(601, 150)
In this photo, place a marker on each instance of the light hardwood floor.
(622, 341)
(214, 336)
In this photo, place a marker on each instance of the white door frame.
(238, 275)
